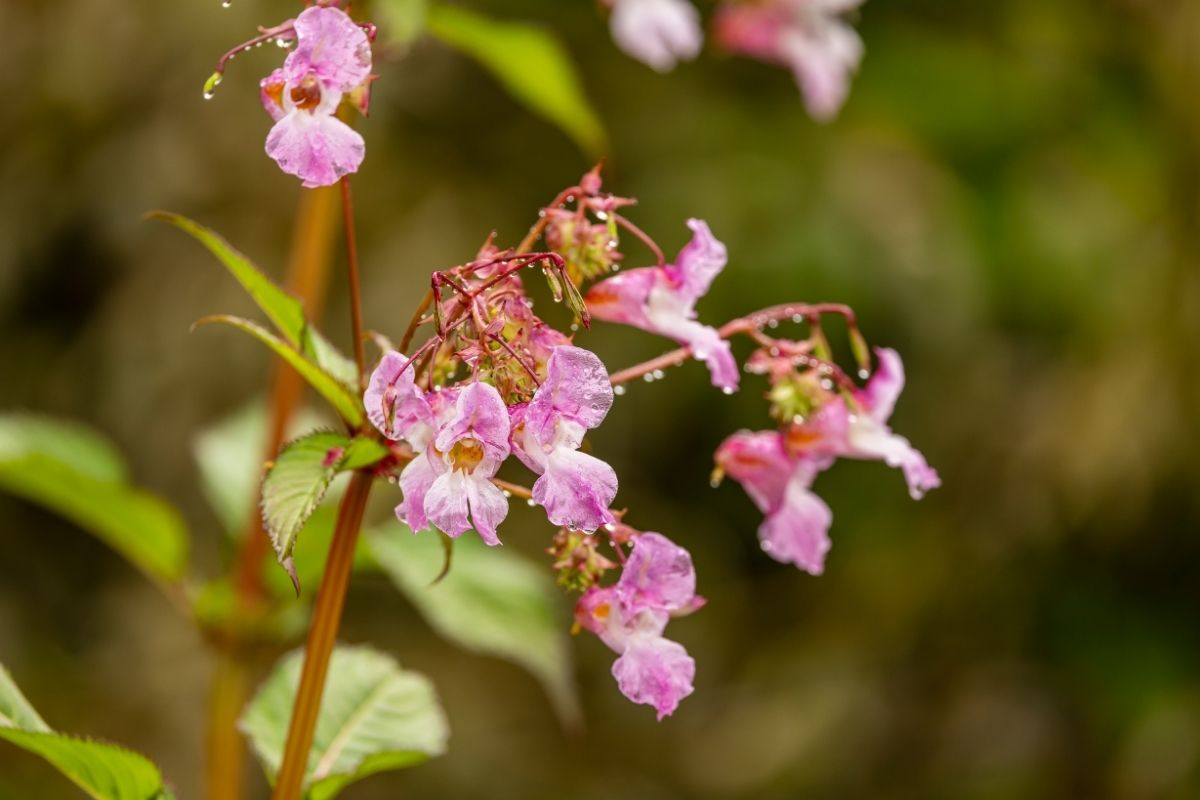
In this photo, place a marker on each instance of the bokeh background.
(1011, 198)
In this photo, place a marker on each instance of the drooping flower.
(868, 435)
(795, 528)
(332, 59)
(657, 582)
(657, 32)
(575, 488)
(663, 300)
(809, 37)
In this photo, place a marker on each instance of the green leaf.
(530, 63)
(104, 771)
(285, 311)
(302, 473)
(401, 21)
(374, 716)
(493, 601)
(86, 484)
(230, 456)
(344, 401)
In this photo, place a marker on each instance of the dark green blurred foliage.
(1011, 198)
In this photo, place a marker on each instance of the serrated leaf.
(492, 601)
(374, 716)
(285, 311)
(38, 463)
(302, 473)
(104, 771)
(230, 457)
(343, 400)
(530, 63)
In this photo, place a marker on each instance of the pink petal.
(798, 532)
(655, 671)
(576, 490)
(759, 463)
(415, 479)
(447, 503)
(883, 389)
(332, 45)
(576, 389)
(316, 148)
(270, 91)
(657, 32)
(700, 260)
(489, 507)
(657, 575)
(479, 413)
(622, 298)
(394, 404)
(869, 439)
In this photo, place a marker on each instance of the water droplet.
(608, 526)
(772, 323)
(259, 44)
(826, 384)
(797, 318)
(530, 502)
(506, 492)
(226, 3)
(574, 327)
(658, 374)
(714, 482)
(727, 390)
(618, 390)
(864, 373)
(648, 377)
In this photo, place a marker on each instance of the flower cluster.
(777, 468)
(808, 37)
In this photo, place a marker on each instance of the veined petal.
(576, 389)
(576, 490)
(447, 504)
(316, 148)
(415, 479)
(657, 575)
(489, 507)
(479, 413)
(655, 671)
(333, 46)
(798, 532)
(270, 91)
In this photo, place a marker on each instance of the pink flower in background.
(450, 484)
(663, 299)
(868, 435)
(657, 32)
(809, 37)
(795, 529)
(658, 582)
(575, 488)
(332, 58)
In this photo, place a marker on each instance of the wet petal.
(316, 148)
(415, 479)
(576, 389)
(333, 46)
(622, 298)
(798, 532)
(655, 671)
(479, 413)
(759, 463)
(882, 391)
(657, 575)
(489, 507)
(447, 503)
(576, 490)
(700, 260)
(395, 405)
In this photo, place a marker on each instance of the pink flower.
(807, 36)
(658, 582)
(459, 447)
(663, 299)
(795, 529)
(332, 58)
(575, 488)
(657, 32)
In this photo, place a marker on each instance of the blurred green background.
(1011, 198)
